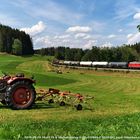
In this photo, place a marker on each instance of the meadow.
(115, 109)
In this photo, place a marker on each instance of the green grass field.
(116, 108)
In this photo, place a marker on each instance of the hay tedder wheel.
(79, 107)
(20, 95)
(51, 101)
(62, 103)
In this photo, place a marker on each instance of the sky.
(74, 23)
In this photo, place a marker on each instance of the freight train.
(103, 64)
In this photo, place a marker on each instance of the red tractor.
(17, 92)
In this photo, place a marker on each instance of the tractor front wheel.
(20, 95)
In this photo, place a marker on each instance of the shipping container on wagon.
(67, 62)
(118, 64)
(75, 63)
(86, 63)
(99, 64)
(135, 65)
(55, 61)
(61, 62)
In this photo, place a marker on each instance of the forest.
(120, 53)
(14, 41)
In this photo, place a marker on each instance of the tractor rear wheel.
(3, 102)
(20, 95)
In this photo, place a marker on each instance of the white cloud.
(107, 44)
(136, 16)
(49, 41)
(80, 35)
(89, 44)
(112, 36)
(66, 41)
(44, 41)
(35, 29)
(61, 36)
(129, 35)
(80, 29)
(87, 37)
(60, 40)
(134, 39)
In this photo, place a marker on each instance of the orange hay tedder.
(65, 98)
(18, 92)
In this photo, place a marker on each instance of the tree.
(78, 55)
(129, 54)
(17, 47)
(138, 27)
(87, 56)
(104, 54)
(60, 53)
(1, 43)
(43, 51)
(95, 56)
(68, 55)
